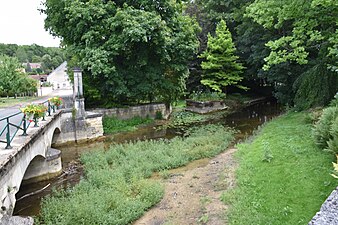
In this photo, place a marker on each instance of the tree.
(313, 32)
(12, 81)
(307, 38)
(47, 64)
(220, 65)
(21, 55)
(131, 50)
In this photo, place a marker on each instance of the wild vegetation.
(283, 177)
(326, 129)
(293, 53)
(49, 57)
(113, 125)
(116, 190)
(12, 81)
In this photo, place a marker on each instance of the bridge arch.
(56, 136)
(36, 160)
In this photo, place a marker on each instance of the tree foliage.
(33, 54)
(220, 65)
(313, 29)
(279, 41)
(315, 87)
(132, 50)
(12, 81)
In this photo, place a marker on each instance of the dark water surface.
(246, 120)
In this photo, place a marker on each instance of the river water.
(245, 120)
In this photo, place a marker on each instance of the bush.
(334, 102)
(326, 129)
(332, 144)
(158, 115)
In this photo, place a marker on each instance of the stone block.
(328, 214)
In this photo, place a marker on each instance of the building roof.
(39, 77)
(33, 65)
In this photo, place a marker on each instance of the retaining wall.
(149, 110)
(80, 129)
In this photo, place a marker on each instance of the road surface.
(5, 112)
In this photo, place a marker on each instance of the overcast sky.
(21, 23)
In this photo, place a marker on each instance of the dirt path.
(192, 193)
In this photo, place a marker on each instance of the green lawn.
(8, 102)
(283, 177)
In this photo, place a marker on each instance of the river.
(245, 120)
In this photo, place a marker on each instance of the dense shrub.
(332, 144)
(116, 189)
(326, 129)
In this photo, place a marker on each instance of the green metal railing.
(23, 124)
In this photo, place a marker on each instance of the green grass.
(113, 125)
(116, 189)
(180, 104)
(283, 177)
(8, 102)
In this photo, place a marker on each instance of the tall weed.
(116, 190)
(113, 125)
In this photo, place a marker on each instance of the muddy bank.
(192, 193)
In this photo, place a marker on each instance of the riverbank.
(283, 177)
(116, 189)
(245, 120)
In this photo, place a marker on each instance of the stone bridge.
(32, 157)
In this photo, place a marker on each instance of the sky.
(21, 23)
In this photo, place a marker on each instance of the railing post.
(35, 122)
(8, 135)
(24, 125)
(48, 108)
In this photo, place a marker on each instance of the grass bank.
(116, 190)
(11, 101)
(283, 177)
(113, 125)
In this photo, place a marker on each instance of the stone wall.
(149, 110)
(328, 214)
(80, 129)
(203, 107)
(68, 102)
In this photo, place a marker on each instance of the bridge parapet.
(15, 161)
(30, 156)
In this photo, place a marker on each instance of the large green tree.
(221, 66)
(130, 50)
(12, 81)
(290, 40)
(308, 36)
(313, 33)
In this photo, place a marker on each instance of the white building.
(59, 78)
